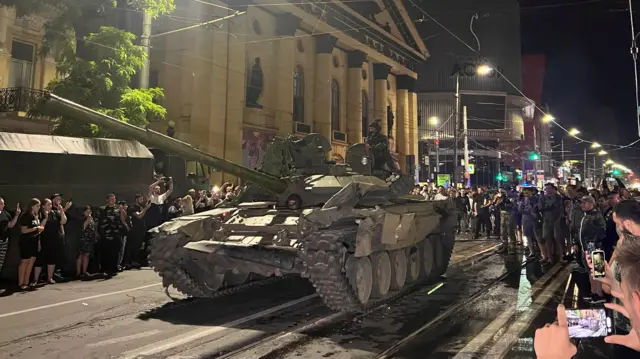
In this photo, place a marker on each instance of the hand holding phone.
(589, 323)
(598, 260)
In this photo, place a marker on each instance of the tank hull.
(208, 254)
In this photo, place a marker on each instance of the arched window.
(365, 114)
(335, 105)
(298, 94)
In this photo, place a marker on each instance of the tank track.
(166, 257)
(324, 254)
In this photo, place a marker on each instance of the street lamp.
(484, 70)
(548, 118)
(602, 153)
(433, 120)
(595, 145)
(609, 161)
(574, 132)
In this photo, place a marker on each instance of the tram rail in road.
(260, 345)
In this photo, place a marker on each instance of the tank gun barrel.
(171, 145)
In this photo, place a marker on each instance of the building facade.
(23, 74)
(275, 68)
(496, 109)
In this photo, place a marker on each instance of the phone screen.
(598, 259)
(589, 323)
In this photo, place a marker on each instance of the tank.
(351, 229)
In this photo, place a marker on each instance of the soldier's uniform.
(380, 149)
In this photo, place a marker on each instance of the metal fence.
(22, 99)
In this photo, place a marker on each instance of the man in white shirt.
(440, 195)
(157, 199)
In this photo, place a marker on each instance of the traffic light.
(616, 172)
(500, 177)
(534, 156)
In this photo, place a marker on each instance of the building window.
(335, 105)
(21, 67)
(298, 94)
(365, 114)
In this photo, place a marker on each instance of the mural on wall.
(254, 145)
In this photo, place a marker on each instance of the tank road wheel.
(398, 260)
(381, 265)
(360, 275)
(413, 263)
(427, 256)
(234, 279)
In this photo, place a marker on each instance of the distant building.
(23, 74)
(496, 110)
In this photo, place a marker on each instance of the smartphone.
(598, 260)
(589, 323)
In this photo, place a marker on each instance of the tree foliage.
(96, 61)
(103, 83)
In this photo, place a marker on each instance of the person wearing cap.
(591, 233)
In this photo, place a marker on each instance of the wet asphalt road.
(129, 317)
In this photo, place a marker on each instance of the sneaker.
(51, 281)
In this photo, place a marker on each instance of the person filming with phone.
(553, 342)
(621, 280)
(591, 231)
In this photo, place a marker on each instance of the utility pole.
(145, 40)
(594, 170)
(564, 179)
(585, 166)
(437, 155)
(465, 138)
(455, 131)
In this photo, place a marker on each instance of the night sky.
(589, 81)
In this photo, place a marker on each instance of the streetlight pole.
(455, 130)
(465, 138)
(585, 165)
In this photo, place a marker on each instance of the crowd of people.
(113, 237)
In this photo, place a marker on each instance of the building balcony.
(15, 105)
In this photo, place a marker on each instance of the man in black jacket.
(463, 207)
(591, 231)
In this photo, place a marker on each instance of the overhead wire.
(497, 70)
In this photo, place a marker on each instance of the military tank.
(351, 229)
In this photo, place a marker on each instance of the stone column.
(354, 96)
(413, 125)
(286, 26)
(403, 116)
(322, 97)
(380, 75)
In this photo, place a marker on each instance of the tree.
(103, 84)
(96, 61)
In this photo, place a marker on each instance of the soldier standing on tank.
(379, 146)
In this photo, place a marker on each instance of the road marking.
(515, 330)
(77, 300)
(490, 331)
(124, 339)
(193, 335)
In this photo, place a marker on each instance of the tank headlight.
(364, 160)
